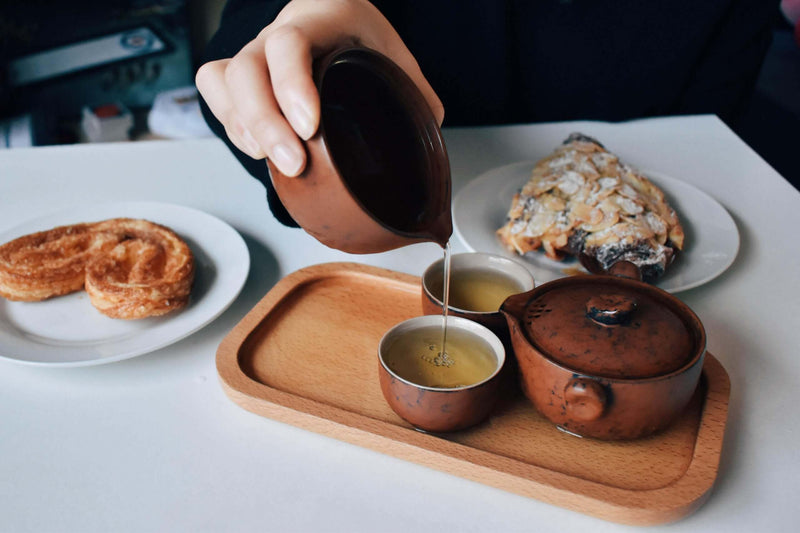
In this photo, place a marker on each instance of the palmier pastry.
(130, 268)
(49, 263)
(582, 200)
(149, 273)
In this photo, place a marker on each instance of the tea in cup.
(479, 283)
(439, 391)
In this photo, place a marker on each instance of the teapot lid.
(610, 327)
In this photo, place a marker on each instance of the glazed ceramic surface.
(476, 261)
(377, 175)
(604, 356)
(438, 409)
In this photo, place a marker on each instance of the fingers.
(210, 81)
(265, 96)
(289, 58)
(239, 93)
(247, 79)
(304, 29)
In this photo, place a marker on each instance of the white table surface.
(153, 444)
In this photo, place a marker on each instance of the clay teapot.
(606, 356)
(377, 175)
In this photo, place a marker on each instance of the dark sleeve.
(725, 76)
(241, 21)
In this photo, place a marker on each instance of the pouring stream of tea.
(442, 358)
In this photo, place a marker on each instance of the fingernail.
(251, 144)
(301, 120)
(287, 160)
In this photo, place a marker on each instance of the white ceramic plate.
(68, 331)
(712, 240)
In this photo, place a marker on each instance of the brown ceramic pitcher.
(377, 175)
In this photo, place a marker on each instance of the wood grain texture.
(306, 355)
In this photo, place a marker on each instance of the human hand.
(265, 96)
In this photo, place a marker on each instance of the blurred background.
(118, 70)
(86, 71)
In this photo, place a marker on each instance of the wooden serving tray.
(306, 355)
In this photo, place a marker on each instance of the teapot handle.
(585, 399)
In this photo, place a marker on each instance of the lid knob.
(610, 309)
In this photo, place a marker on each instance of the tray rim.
(629, 506)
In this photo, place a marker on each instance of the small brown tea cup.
(409, 371)
(472, 275)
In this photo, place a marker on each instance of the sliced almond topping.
(600, 238)
(608, 219)
(541, 186)
(550, 250)
(629, 206)
(581, 212)
(628, 191)
(656, 223)
(609, 205)
(571, 182)
(595, 217)
(553, 203)
(676, 236)
(525, 244)
(540, 223)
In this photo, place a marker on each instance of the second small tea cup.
(479, 283)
